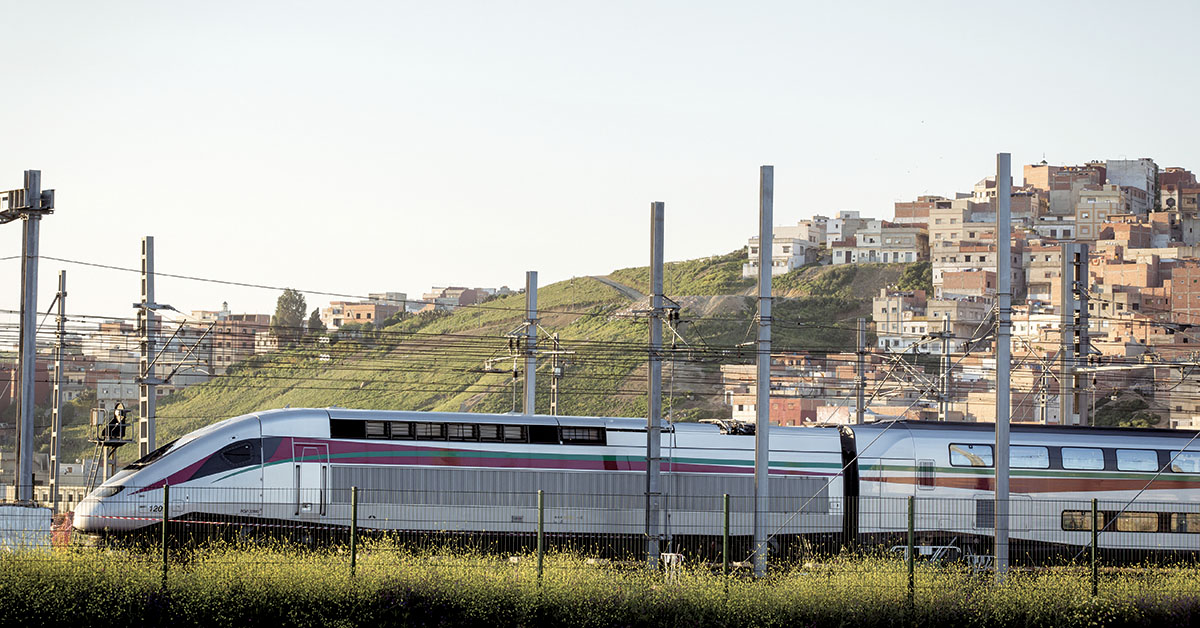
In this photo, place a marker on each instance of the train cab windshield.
(158, 454)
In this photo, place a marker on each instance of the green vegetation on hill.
(1127, 410)
(849, 281)
(719, 274)
(464, 360)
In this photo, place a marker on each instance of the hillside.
(440, 361)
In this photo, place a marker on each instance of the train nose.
(103, 509)
(87, 515)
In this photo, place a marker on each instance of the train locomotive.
(839, 485)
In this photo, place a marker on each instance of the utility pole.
(555, 374)
(147, 332)
(28, 204)
(860, 386)
(56, 411)
(531, 283)
(1042, 398)
(1074, 328)
(1003, 353)
(762, 403)
(654, 418)
(944, 397)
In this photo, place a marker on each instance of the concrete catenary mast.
(27, 204)
(1003, 352)
(654, 416)
(762, 403)
(531, 284)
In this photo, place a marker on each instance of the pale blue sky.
(357, 147)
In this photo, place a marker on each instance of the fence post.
(166, 505)
(353, 529)
(1095, 539)
(541, 533)
(725, 537)
(911, 550)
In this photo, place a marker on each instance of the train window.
(1028, 457)
(234, 455)
(429, 431)
(490, 433)
(970, 455)
(1084, 458)
(1185, 461)
(462, 431)
(515, 434)
(582, 435)
(1185, 522)
(1137, 460)
(239, 454)
(376, 429)
(543, 434)
(1080, 520)
(925, 474)
(342, 428)
(1137, 522)
(401, 431)
(157, 453)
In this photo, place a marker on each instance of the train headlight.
(109, 491)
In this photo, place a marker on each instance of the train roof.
(1037, 428)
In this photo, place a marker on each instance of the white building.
(883, 242)
(1136, 173)
(844, 225)
(791, 247)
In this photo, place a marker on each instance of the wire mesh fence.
(499, 530)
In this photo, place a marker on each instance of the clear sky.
(355, 147)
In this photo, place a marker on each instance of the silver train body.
(421, 471)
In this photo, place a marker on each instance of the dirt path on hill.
(629, 293)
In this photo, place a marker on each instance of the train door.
(312, 478)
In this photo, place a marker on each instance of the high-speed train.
(480, 473)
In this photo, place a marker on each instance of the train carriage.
(471, 473)
(424, 472)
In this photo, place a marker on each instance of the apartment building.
(1067, 182)
(340, 313)
(883, 242)
(791, 247)
(899, 318)
(843, 226)
(1095, 204)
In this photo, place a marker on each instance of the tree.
(314, 321)
(917, 276)
(289, 316)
